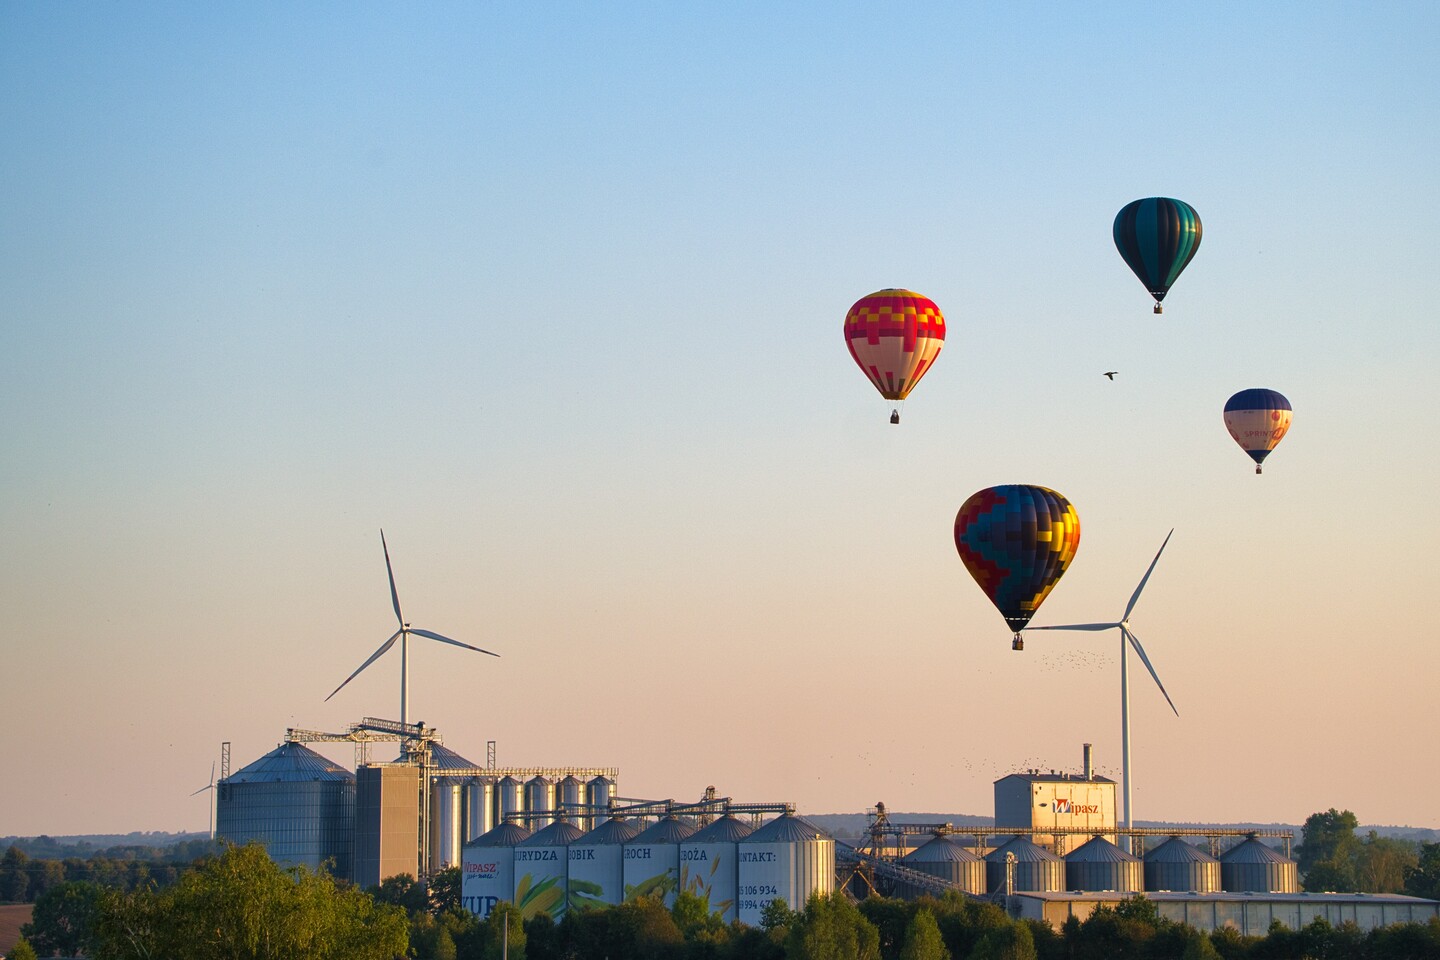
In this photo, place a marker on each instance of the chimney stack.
(1089, 766)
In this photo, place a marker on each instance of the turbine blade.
(373, 657)
(394, 597)
(1078, 626)
(201, 790)
(1135, 642)
(212, 773)
(435, 636)
(1136, 595)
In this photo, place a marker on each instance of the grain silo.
(541, 869)
(539, 795)
(1176, 865)
(942, 856)
(709, 864)
(479, 807)
(787, 859)
(1035, 868)
(507, 798)
(449, 772)
(1253, 867)
(597, 864)
(570, 793)
(652, 860)
(1099, 865)
(599, 791)
(487, 873)
(298, 804)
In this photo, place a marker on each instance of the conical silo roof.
(1176, 850)
(614, 830)
(1099, 850)
(443, 758)
(728, 829)
(558, 834)
(506, 835)
(940, 849)
(290, 763)
(1024, 851)
(1253, 851)
(786, 829)
(668, 830)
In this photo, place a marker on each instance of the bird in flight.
(1111, 373)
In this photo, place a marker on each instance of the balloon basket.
(1018, 643)
(894, 416)
(1159, 308)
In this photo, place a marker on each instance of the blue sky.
(553, 293)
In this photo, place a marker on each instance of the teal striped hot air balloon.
(1157, 237)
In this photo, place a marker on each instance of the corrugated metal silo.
(569, 792)
(1036, 869)
(487, 874)
(1176, 865)
(507, 798)
(448, 773)
(652, 860)
(541, 868)
(297, 803)
(479, 807)
(1254, 867)
(599, 791)
(539, 795)
(710, 861)
(943, 857)
(597, 864)
(1098, 865)
(787, 859)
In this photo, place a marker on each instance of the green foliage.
(1326, 854)
(402, 891)
(1382, 863)
(22, 951)
(777, 915)
(63, 921)
(504, 922)
(922, 938)
(832, 928)
(694, 919)
(24, 878)
(892, 919)
(1423, 879)
(444, 890)
(242, 906)
(1012, 942)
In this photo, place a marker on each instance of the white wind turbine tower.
(1127, 640)
(211, 787)
(403, 635)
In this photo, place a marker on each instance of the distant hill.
(92, 844)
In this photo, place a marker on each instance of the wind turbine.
(403, 635)
(1127, 640)
(211, 787)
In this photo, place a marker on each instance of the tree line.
(24, 879)
(1331, 858)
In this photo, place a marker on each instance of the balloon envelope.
(1157, 237)
(894, 336)
(1016, 540)
(1258, 419)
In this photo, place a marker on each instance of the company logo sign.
(1063, 805)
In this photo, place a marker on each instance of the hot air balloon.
(1157, 237)
(1258, 420)
(1016, 540)
(894, 335)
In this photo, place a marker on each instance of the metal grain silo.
(710, 861)
(1254, 867)
(597, 864)
(570, 793)
(652, 860)
(479, 807)
(1036, 869)
(539, 795)
(541, 869)
(1098, 865)
(599, 791)
(448, 773)
(943, 857)
(787, 859)
(507, 798)
(298, 804)
(1176, 865)
(487, 873)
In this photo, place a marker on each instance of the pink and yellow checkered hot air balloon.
(894, 335)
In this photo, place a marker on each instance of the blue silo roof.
(290, 763)
(668, 830)
(1253, 851)
(940, 849)
(558, 834)
(1099, 850)
(612, 831)
(785, 829)
(1024, 851)
(506, 835)
(728, 829)
(1176, 850)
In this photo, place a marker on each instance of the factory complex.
(552, 839)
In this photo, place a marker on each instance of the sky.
(553, 294)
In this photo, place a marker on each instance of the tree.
(1328, 842)
(505, 932)
(1012, 942)
(22, 950)
(831, 928)
(63, 921)
(922, 938)
(242, 906)
(1382, 863)
(1423, 879)
(777, 915)
(402, 891)
(14, 879)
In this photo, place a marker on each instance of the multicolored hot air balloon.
(1258, 420)
(1157, 237)
(1016, 540)
(894, 335)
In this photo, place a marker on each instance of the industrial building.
(551, 839)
